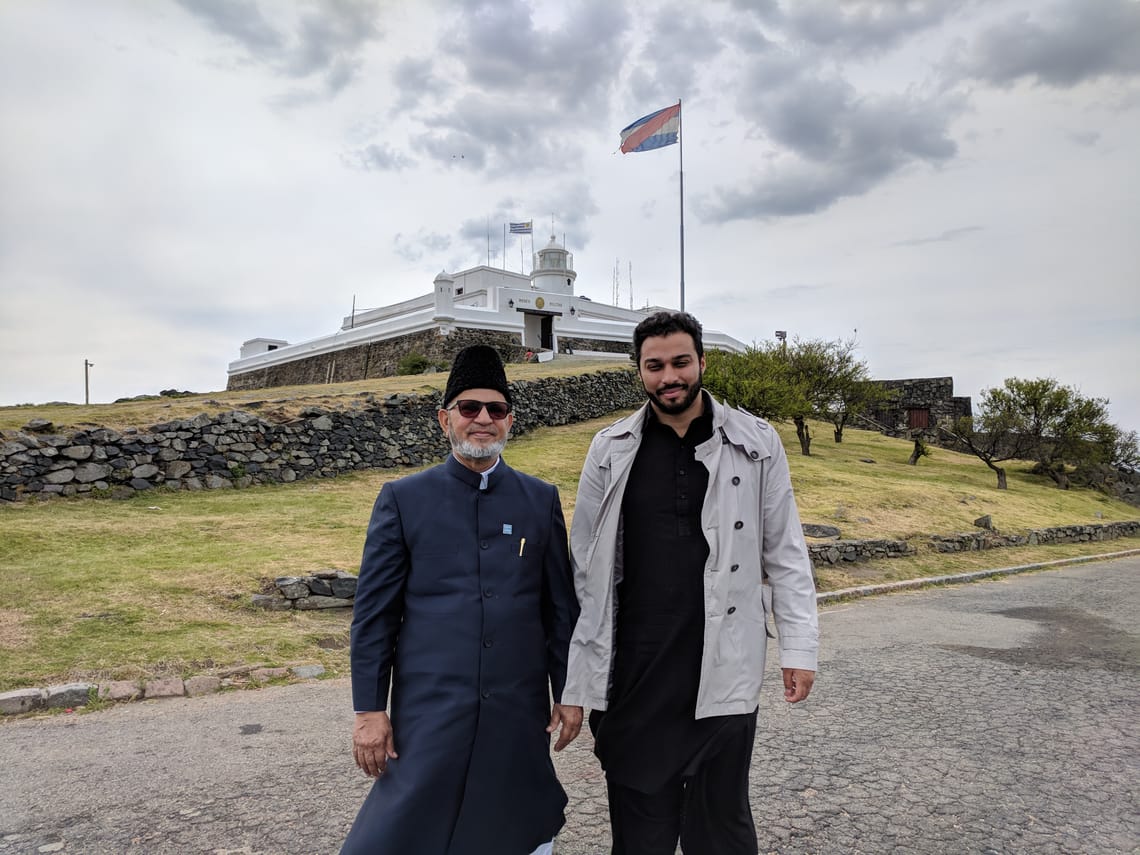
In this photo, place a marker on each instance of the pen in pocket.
(522, 544)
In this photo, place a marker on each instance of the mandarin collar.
(472, 478)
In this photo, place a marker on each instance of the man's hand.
(372, 742)
(571, 720)
(797, 684)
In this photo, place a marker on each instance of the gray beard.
(471, 451)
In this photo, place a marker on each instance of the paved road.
(997, 717)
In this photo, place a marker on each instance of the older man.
(685, 538)
(466, 604)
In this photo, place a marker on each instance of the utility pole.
(87, 366)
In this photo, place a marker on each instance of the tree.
(838, 385)
(921, 449)
(1042, 420)
(995, 434)
(756, 380)
(1064, 427)
(811, 379)
(832, 382)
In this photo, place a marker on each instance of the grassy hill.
(280, 402)
(160, 584)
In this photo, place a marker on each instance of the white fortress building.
(539, 315)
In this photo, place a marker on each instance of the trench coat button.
(733, 568)
(731, 609)
(755, 454)
(486, 695)
(487, 593)
(487, 642)
(482, 544)
(738, 524)
(735, 480)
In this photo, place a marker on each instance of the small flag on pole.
(653, 131)
(521, 228)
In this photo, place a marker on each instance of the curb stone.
(71, 695)
(830, 597)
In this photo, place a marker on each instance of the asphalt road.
(996, 717)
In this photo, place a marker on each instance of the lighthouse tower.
(553, 270)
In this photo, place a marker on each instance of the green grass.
(160, 584)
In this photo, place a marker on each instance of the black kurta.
(649, 734)
(466, 599)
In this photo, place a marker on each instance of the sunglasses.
(469, 409)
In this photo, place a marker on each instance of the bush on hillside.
(413, 363)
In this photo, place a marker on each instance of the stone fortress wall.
(934, 395)
(380, 358)
(376, 359)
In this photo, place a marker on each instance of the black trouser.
(706, 807)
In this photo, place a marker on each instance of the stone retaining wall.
(838, 551)
(331, 589)
(573, 344)
(238, 449)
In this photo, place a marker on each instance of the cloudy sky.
(955, 183)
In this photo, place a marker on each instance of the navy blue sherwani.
(466, 601)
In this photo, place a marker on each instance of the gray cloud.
(863, 26)
(522, 94)
(570, 69)
(1071, 42)
(680, 42)
(502, 136)
(415, 79)
(945, 237)
(797, 291)
(422, 244)
(571, 204)
(240, 20)
(376, 157)
(1085, 138)
(850, 27)
(837, 144)
(326, 42)
(477, 235)
(462, 150)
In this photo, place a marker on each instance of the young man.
(685, 538)
(466, 602)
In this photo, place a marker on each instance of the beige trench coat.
(758, 562)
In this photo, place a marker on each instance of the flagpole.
(681, 161)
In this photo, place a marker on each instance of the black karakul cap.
(476, 367)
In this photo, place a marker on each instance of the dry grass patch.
(13, 632)
(280, 403)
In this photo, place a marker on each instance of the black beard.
(675, 409)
